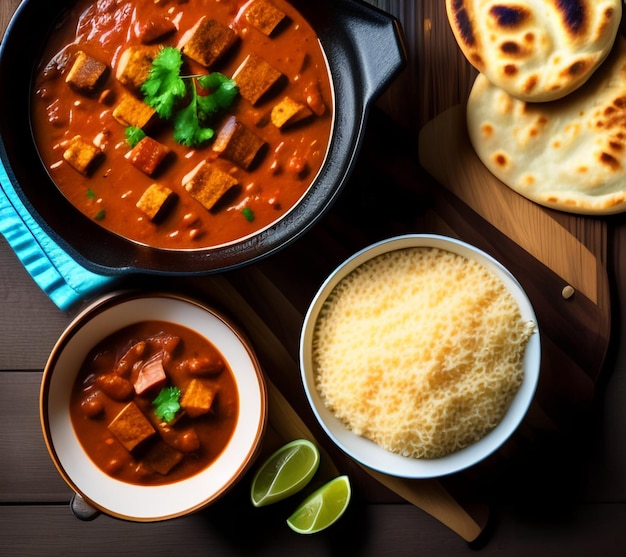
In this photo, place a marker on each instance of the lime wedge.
(285, 472)
(322, 508)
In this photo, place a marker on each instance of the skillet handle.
(378, 41)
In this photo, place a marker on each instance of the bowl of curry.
(142, 405)
(187, 137)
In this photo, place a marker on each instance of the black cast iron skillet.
(365, 52)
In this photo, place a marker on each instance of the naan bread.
(536, 50)
(568, 154)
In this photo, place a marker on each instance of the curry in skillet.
(183, 124)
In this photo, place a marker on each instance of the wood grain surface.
(557, 488)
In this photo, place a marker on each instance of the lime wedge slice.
(322, 508)
(285, 472)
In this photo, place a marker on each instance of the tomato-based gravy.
(154, 403)
(156, 175)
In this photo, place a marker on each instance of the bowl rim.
(384, 461)
(152, 503)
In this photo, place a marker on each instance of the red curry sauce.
(282, 172)
(143, 448)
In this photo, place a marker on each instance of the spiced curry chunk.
(154, 403)
(183, 124)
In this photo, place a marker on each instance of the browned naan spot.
(574, 14)
(511, 48)
(609, 14)
(476, 60)
(582, 169)
(531, 83)
(500, 159)
(614, 118)
(620, 102)
(510, 69)
(610, 161)
(509, 17)
(529, 180)
(576, 68)
(463, 22)
(487, 130)
(617, 200)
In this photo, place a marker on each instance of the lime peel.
(285, 472)
(322, 508)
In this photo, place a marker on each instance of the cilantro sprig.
(188, 101)
(167, 403)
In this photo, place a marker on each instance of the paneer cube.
(208, 184)
(86, 73)
(264, 16)
(161, 458)
(148, 155)
(156, 201)
(133, 67)
(255, 77)
(209, 41)
(288, 112)
(198, 397)
(237, 143)
(81, 155)
(131, 427)
(131, 111)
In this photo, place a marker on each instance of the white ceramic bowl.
(149, 503)
(367, 452)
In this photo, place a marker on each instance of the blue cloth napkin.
(64, 280)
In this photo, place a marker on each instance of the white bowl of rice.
(420, 355)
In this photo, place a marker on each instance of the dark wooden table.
(562, 493)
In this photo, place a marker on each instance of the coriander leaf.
(167, 92)
(187, 128)
(134, 135)
(100, 215)
(164, 86)
(167, 403)
(223, 91)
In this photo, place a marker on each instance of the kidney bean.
(115, 386)
(187, 441)
(204, 365)
(125, 364)
(93, 405)
(164, 341)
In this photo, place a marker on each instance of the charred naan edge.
(536, 50)
(569, 154)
